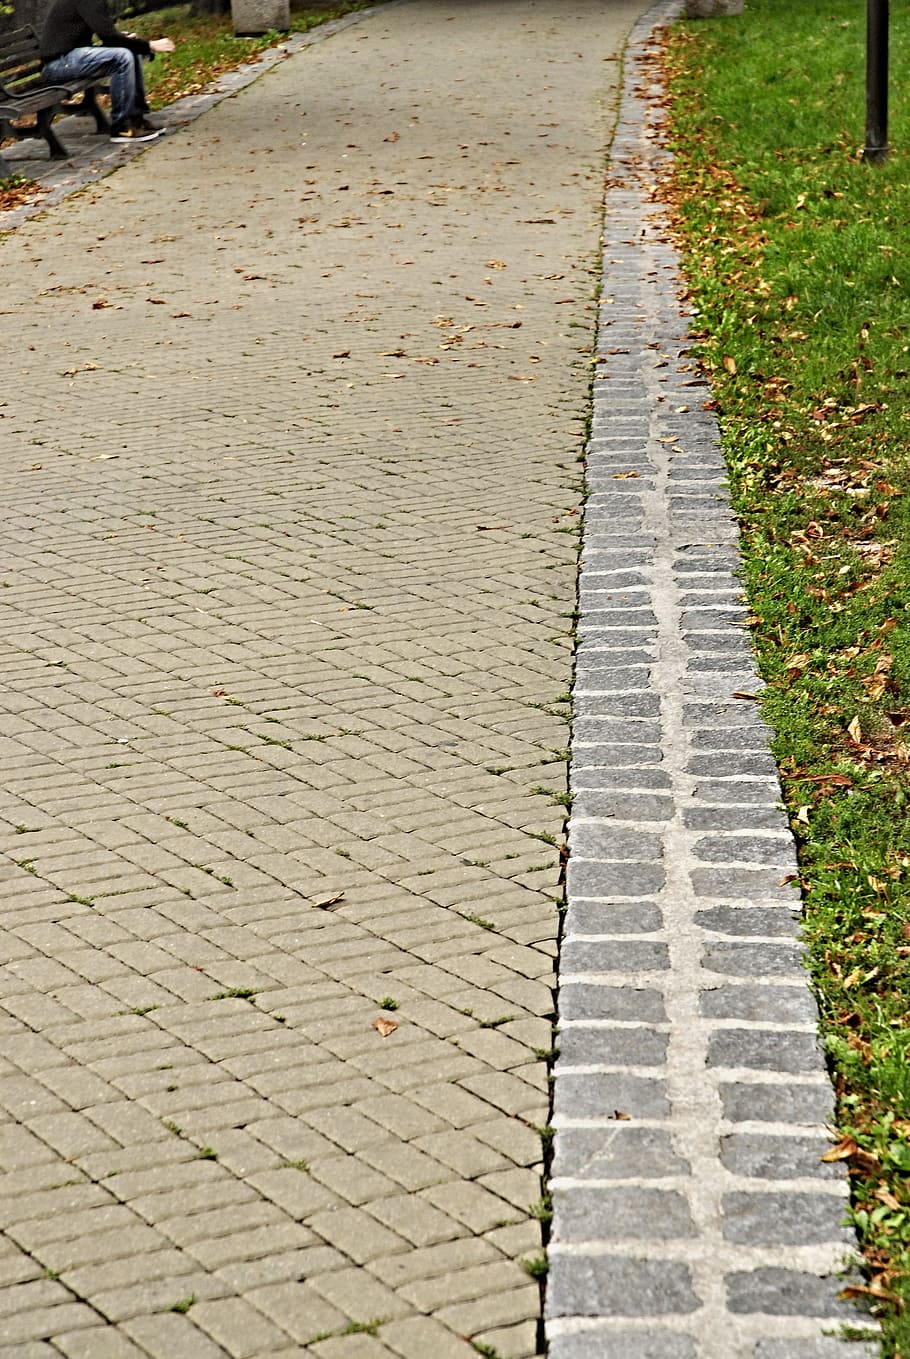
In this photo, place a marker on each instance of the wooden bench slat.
(24, 93)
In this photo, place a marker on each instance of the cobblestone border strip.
(692, 1213)
(95, 157)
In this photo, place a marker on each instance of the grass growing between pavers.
(795, 253)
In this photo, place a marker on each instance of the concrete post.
(251, 17)
(710, 9)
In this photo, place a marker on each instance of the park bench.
(24, 93)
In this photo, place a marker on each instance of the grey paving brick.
(752, 960)
(761, 1156)
(616, 1151)
(768, 1003)
(622, 1344)
(591, 840)
(777, 1219)
(613, 955)
(588, 1000)
(770, 921)
(601, 1096)
(618, 1285)
(783, 1292)
(632, 1045)
(769, 1049)
(796, 1102)
(591, 1214)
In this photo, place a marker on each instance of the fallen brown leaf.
(324, 903)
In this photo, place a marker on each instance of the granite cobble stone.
(624, 1213)
(592, 840)
(614, 918)
(595, 1045)
(752, 960)
(624, 878)
(600, 1344)
(773, 849)
(770, 1050)
(770, 1157)
(787, 1292)
(619, 1285)
(631, 807)
(613, 955)
(602, 1096)
(779, 1219)
(750, 920)
(764, 1003)
(587, 1000)
(808, 1103)
(617, 1151)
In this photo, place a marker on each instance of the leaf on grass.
(855, 732)
(797, 664)
(730, 364)
(845, 1148)
(876, 1289)
(384, 1026)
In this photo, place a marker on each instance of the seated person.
(67, 53)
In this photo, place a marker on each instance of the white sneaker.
(137, 134)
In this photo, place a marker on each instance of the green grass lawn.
(797, 256)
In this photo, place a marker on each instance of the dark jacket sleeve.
(98, 17)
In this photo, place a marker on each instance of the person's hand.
(161, 45)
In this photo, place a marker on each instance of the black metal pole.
(876, 148)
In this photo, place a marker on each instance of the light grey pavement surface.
(291, 467)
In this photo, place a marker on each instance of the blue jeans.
(122, 68)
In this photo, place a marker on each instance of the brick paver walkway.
(290, 469)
